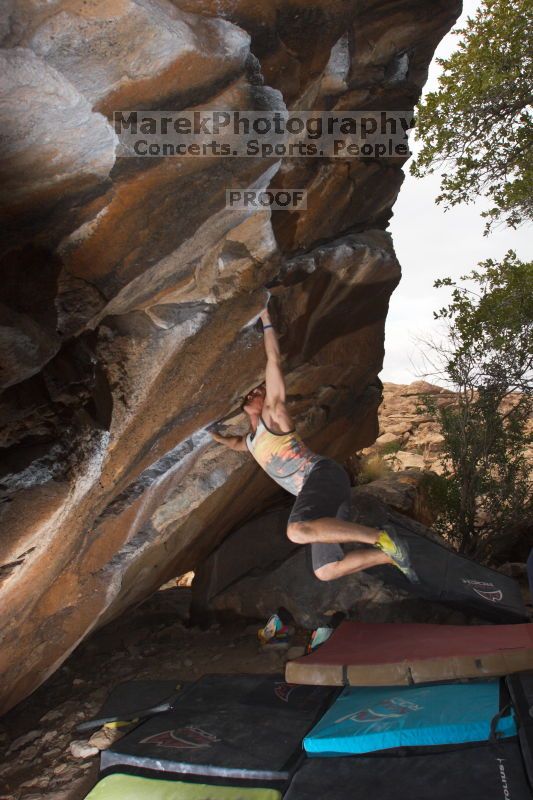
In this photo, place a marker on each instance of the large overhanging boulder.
(129, 292)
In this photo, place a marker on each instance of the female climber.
(320, 515)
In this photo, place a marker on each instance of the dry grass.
(373, 468)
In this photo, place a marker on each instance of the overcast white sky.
(430, 244)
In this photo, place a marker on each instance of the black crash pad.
(453, 579)
(247, 727)
(521, 690)
(488, 772)
(132, 699)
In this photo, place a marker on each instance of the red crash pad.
(391, 654)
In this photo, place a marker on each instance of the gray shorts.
(325, 493)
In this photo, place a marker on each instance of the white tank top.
(284, 456)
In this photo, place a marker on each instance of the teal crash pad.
(366, 719)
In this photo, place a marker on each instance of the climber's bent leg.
(352, 562)
(321, 517)
(330, 529)
(386, 547)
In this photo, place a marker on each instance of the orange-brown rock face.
(129, 292)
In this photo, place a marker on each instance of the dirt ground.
(152, 641)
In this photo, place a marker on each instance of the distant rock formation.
(409, 438)
(128, 291)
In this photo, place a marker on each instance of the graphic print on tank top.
(284, 456)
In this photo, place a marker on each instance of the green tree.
(476, 127)
(485, 492)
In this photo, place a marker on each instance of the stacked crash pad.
(239, 738)
(388, 654)
(363, 720)
(133, 787)
(240, 727)
(487, 772)
(478, 773)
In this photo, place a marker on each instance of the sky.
(430, 244)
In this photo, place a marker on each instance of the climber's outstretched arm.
(275, 383)
(274, 380)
